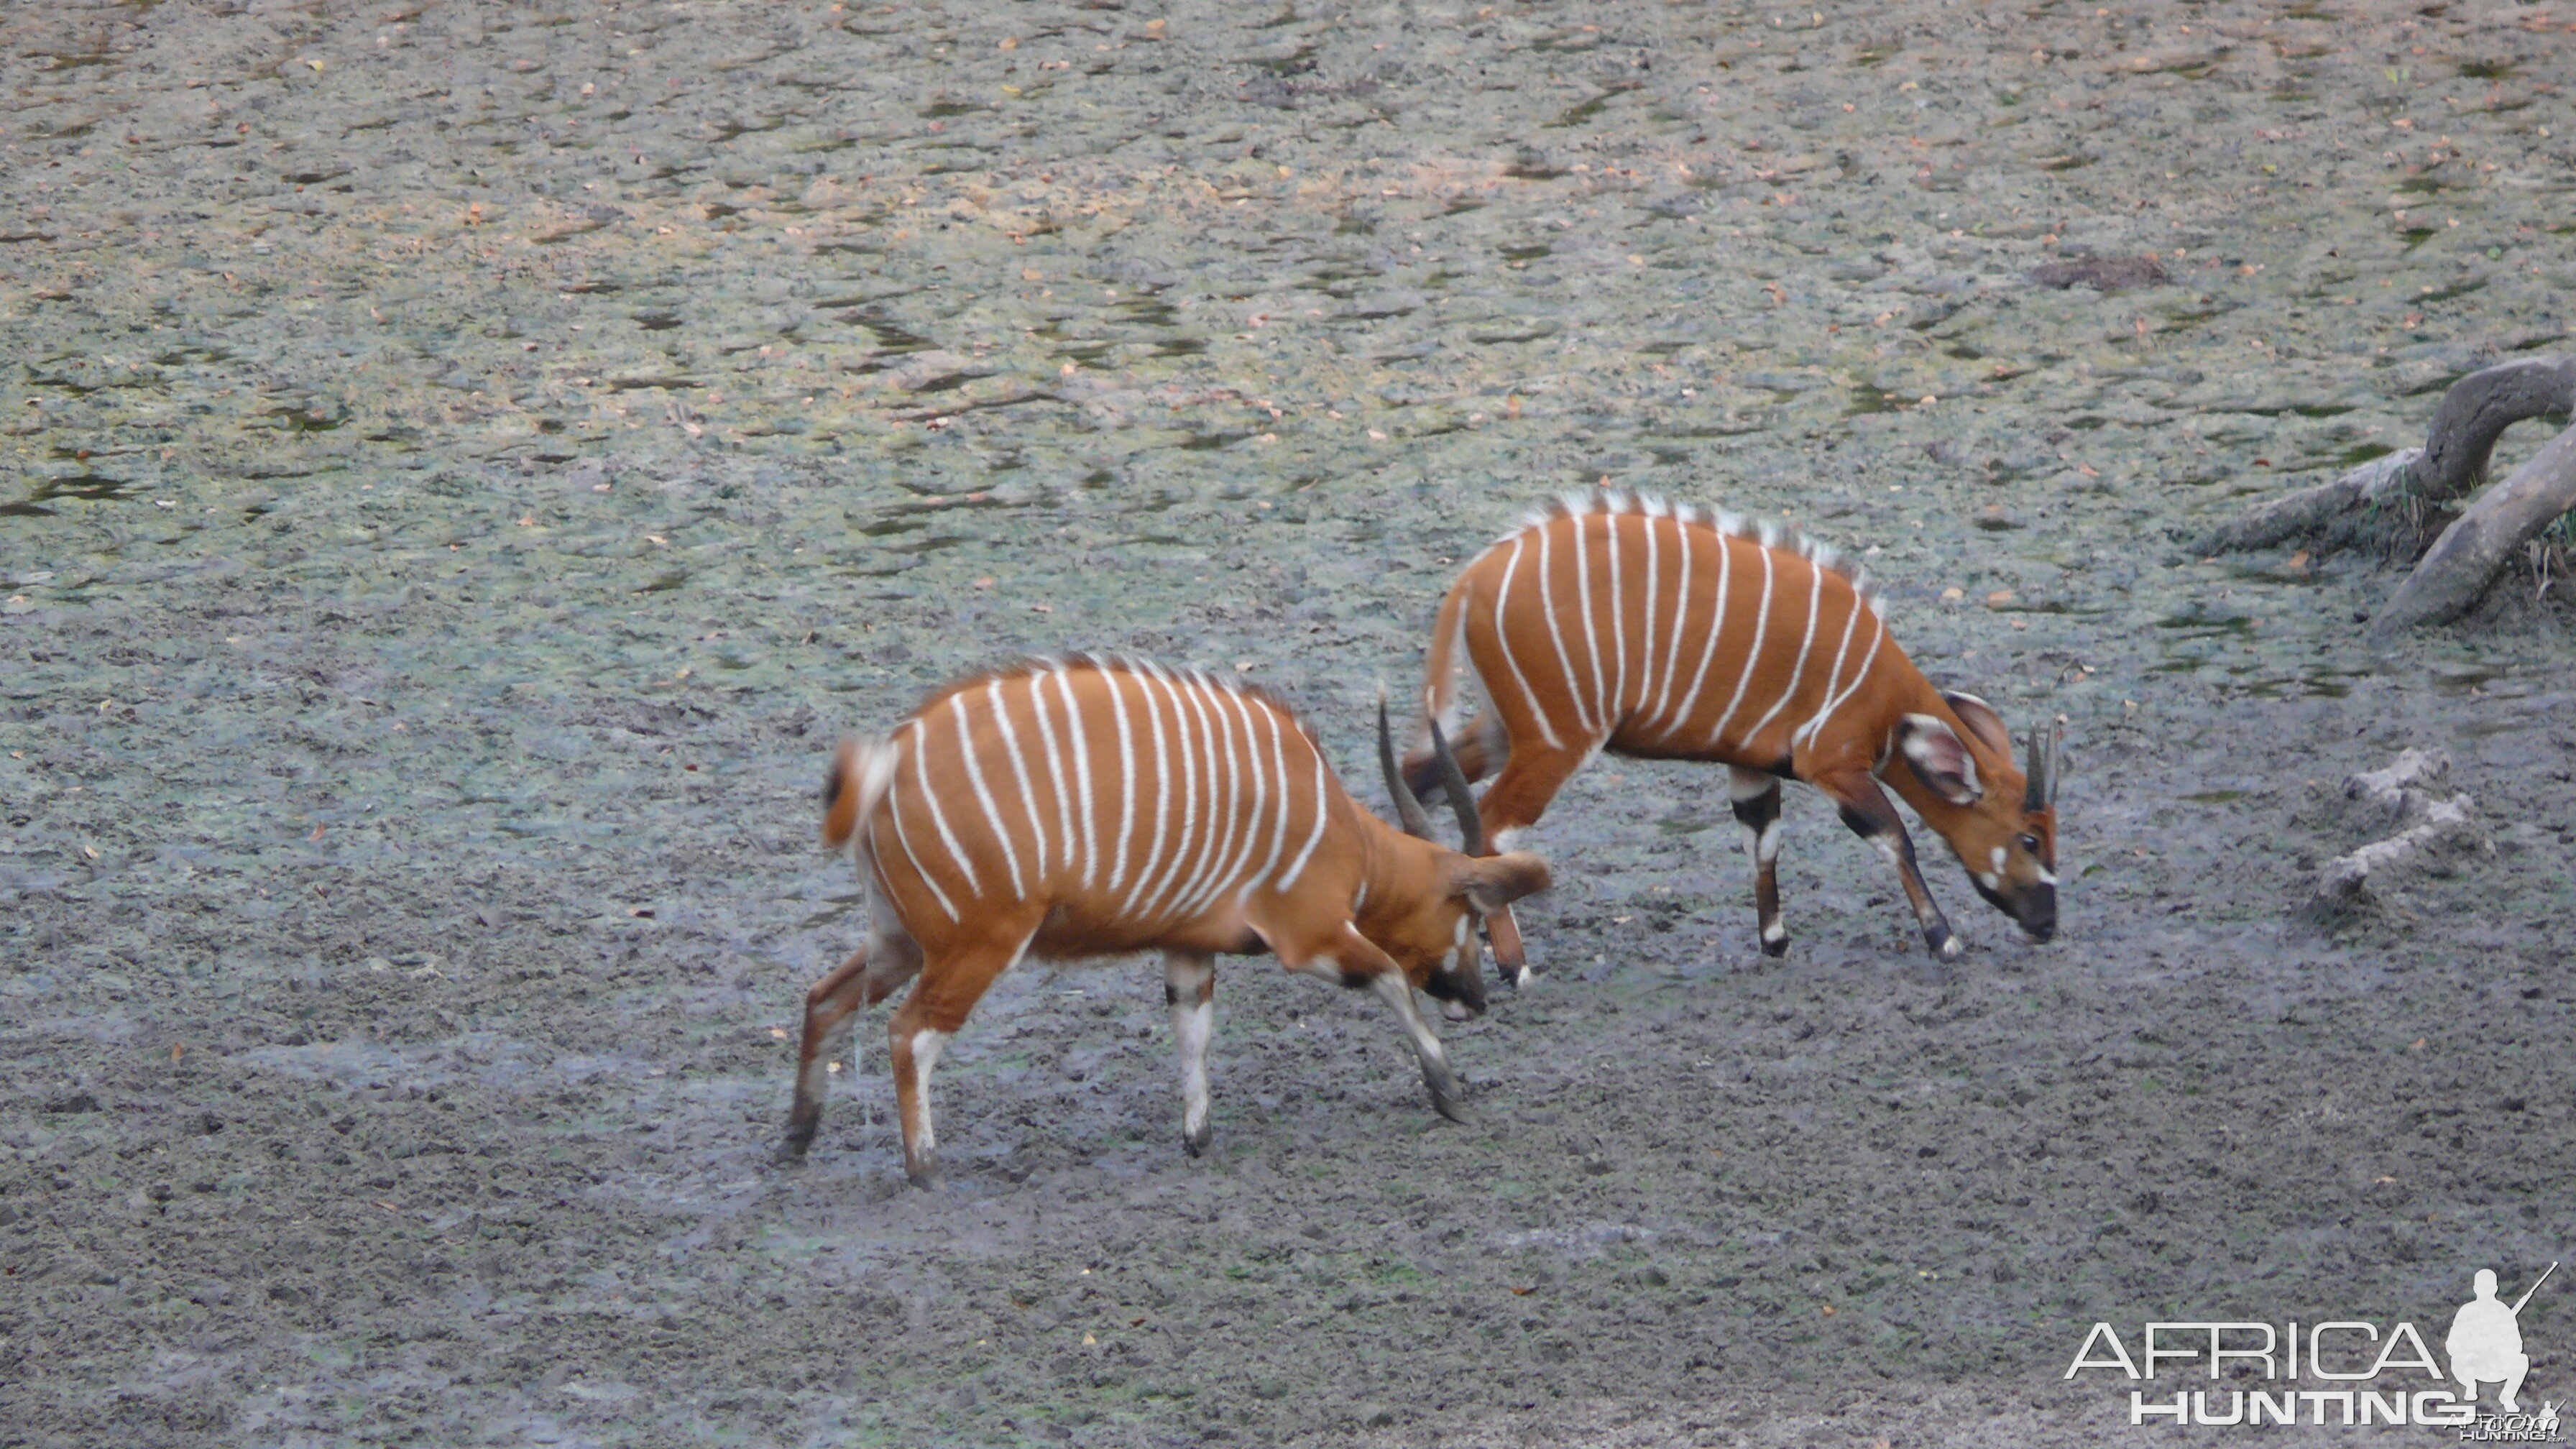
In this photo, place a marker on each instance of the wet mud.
(465, 464)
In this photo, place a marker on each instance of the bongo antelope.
(1613, 622)
(1092, 806)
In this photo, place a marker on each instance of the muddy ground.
(466, 463)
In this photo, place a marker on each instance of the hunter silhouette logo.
(2364, 1373)
(2486, 1340)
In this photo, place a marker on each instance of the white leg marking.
(1323, 966)
(1752, 650)
(1775, 932)
(1766, 846)
(925, 1055)
(1193, 1024)
(1396, 992)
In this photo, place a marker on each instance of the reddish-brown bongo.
(1613, 622)
(1093, 806)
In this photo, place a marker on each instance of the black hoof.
(1775, 945)
(1445, 1100)
(1196, 1143)
(925, 1177)
(793, 1143)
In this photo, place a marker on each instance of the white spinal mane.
(1762, 531)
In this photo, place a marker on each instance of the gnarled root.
(2463, 563)
(2395, 500)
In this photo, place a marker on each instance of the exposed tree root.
(2395, 502)
(2460, 566)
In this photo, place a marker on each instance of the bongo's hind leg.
(870, 975)
(950, 985)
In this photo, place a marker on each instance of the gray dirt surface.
(467, 462)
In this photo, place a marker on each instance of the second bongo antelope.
(1093, 806)
(1614, 622)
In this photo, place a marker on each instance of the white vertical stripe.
(1681, 618)
(1111, 679)
(1716, 627)
(1162, 797)
(1082, 774)
(1503, 641)
(930, 797)
(1225, 811)
(1279, 777)
(1607, 709)
(1555, 631)
(1193, 752)
(1297, 867)
(1247, 769)
(984, 796)
(1833, 676)
(1055, 770)
(1798, 670)
(894, 784)
(1646, 617)
(1210, 711)
(1019, 767)
(1752, 648)
(1878, 637)
(1617, 707)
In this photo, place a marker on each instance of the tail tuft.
(861, 771)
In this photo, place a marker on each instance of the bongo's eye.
(2030, 843)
